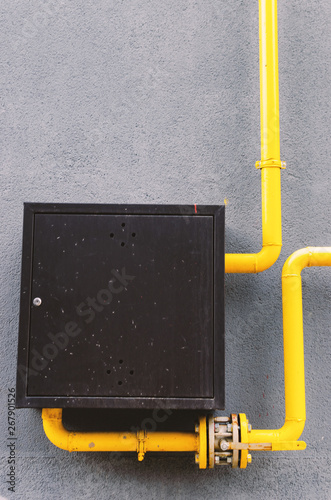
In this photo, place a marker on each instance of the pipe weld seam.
(275, 244)
(255, 265)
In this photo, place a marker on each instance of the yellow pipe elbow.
(270, 163)
(290, 431)
(252, 262)
(306, 257)
(294, 374)
(84, 441)
(271, 228)
(53, 427)
(267, 257)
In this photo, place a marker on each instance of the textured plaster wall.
(142, 101)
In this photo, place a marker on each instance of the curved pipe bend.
(306, 257)
(53, 428)
(252, 262)
(270, 163)
(140, 441)
(294, 375)
(84, 441)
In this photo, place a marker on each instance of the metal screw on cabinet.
(37, 301)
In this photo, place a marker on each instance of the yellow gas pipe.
(294, 374)
(270, 163)
(140, 441)
(284, 438)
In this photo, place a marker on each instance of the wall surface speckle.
(144, 101)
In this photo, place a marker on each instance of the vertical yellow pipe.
(269, 93)
(294, 367)
(270, 140)
(294, 370)
(270, 163)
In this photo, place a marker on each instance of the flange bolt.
(224, 445)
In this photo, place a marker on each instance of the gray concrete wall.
(158, 102)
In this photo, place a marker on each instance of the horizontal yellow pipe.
(294, 372)
(171, 441)
(270, 151)
(115, 441)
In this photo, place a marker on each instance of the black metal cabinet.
(122, 306)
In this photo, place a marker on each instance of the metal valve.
(225, 441)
